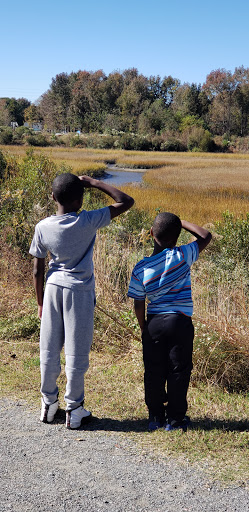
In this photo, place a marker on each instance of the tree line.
(130, 102)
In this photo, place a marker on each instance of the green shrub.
(233, 242)
(194, 138)
(3, 164)
(156, 143)
(142, 143)
(173, 145)
(206, 143)
(134, 225)
(200, 140)
(126, 141)
(37, 140)
(6, 136)
(131, 141)
(26, 198)
(99, 141)
(20, 327)
(56, 141)
(75, 140)
(106, 142)
(20, 133)
(225, 144)
(218, 362)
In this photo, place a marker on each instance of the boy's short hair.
(166, 226)
(67, 187)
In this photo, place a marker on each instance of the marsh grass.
(202, 207)
(202, 174)
(72, 159)
(137, 162)
(197, 188)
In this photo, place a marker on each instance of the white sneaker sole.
(72, 425)
(48, 414)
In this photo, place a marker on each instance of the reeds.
(198, 189)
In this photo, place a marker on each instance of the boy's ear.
(53, 196)
(151, 232)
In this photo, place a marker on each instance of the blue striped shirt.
(165, 280)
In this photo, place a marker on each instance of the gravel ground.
(48, 468)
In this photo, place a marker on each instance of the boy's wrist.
(88, 181)
(39, 311)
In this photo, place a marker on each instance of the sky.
(184, 39)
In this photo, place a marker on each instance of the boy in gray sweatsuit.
(66, 307)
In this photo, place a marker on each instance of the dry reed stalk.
(224, 311)
(117, 321)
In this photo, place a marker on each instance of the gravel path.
(48, 468)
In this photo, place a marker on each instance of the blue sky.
(185, 39)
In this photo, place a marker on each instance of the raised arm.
(203, 235)
(38, 278)
(122, 201)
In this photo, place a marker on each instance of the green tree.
(48, 108)
(16, 109)
(241, 97)
(112, 88)
(155, 87)
(5, 117)
(55, 104)
(87, 102)
(134, 97)
(169, 88)
(154, 118)
(220, 87)
(32, 114)
(190, 100)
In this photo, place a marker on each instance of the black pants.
(167, 353)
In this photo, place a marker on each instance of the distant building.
(36, 126)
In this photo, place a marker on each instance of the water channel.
(117, 176)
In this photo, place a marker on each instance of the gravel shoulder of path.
(49, 468)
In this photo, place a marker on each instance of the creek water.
(120, 177)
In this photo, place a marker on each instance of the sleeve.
(190, 252)
(37, 249)
(136, 289)
(99, 218)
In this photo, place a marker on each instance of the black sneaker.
(178, 425)
(156, 422)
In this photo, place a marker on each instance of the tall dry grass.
(198, 189)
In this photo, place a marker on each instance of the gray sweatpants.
(67, 319)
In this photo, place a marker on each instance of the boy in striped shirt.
(167, 334)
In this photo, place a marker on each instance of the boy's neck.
(160, 247)
(72, 207)
(61, 210)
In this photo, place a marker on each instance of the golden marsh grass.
(197, 206)
(198, 189)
